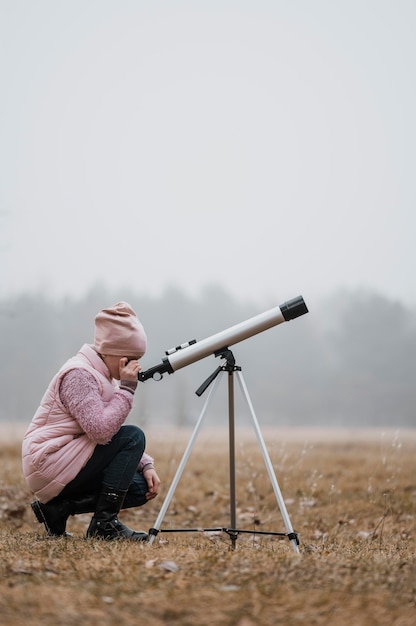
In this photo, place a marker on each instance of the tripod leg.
(269, 466)
(231, 436)
(181, 466)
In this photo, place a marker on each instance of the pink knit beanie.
(118, 332)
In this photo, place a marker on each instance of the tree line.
(349, 362)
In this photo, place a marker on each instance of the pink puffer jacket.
(55, 447)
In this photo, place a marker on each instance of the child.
(77, 456)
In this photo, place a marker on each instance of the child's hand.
(153, 483)
(129, 370)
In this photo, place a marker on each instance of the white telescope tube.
(196, 350)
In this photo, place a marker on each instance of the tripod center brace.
(232, 369)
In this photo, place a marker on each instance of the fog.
(207, 161)
(348, 362)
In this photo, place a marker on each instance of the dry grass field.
(351, 496)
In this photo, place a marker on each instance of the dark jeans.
(113, 467)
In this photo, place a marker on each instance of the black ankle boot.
(54, 514)
(105, 523)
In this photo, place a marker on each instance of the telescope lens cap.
(293, 308)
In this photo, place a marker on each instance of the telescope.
(193, 350)
(219, 345)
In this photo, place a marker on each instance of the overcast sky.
(264, 145)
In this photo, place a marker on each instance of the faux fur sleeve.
(80, 395)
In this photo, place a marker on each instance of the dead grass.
(350, 496)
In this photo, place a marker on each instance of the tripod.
(233, 370)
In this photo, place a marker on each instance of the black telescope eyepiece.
(157, 371)
(293, 308)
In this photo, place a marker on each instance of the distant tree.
(374, 347)
(350, 361)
